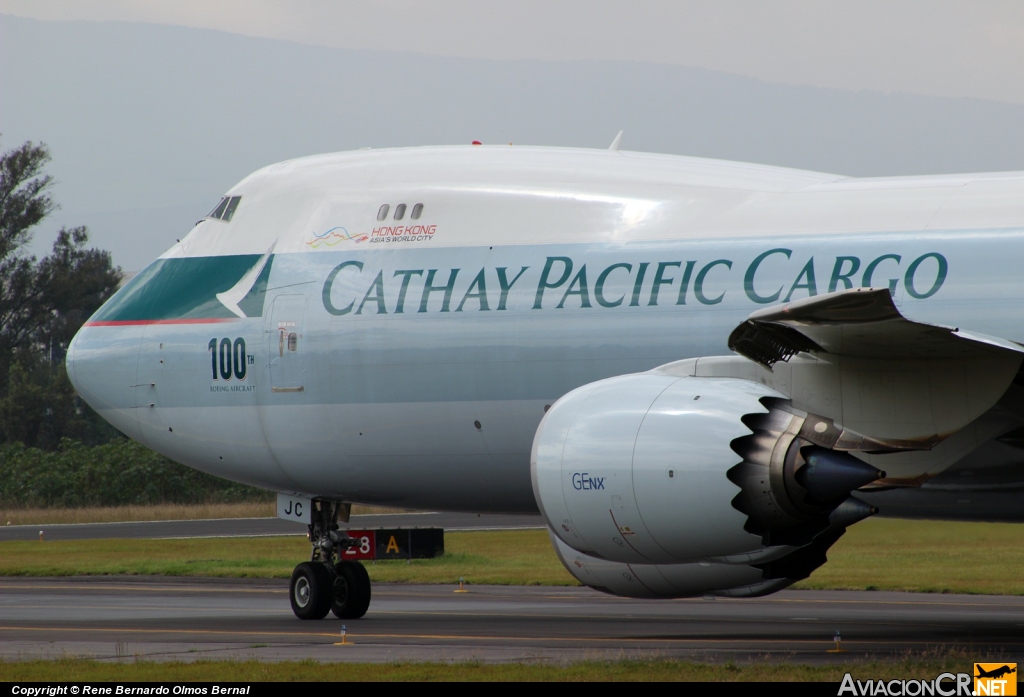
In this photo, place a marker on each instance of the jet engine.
(672, 486)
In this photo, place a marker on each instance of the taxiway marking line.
(33, 526)
(524, 616)
(177, 610)
(651, 618)
(497, 597)
(460, 637)
(126, 587)
(922, 603)
(392, 592)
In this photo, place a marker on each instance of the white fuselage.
(308, 346)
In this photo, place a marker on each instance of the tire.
(351, 590)
(311, 591)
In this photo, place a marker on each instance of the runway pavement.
(187, 619)
(259, 527)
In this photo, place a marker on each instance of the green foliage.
(23, 199)
(42, 304)
(118, 473)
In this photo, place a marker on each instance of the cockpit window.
(219, 210)
(230, 210)
(225, 209)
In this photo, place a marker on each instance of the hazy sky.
(152, 109)
(929, 47)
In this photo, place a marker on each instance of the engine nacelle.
(666, 580)
(707, 577)
(658, 469)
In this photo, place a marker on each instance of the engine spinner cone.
(850, 511)
(829, 475)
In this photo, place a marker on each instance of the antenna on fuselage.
(615, 143)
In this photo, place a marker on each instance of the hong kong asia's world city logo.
(382, 234)
(335, 236)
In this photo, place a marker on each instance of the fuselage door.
(285, 344)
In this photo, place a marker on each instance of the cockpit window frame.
(229, 212)
(218, 210)
(225, 209)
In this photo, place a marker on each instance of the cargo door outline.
(285, 344)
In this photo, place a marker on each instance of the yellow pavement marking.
(111, 586)
(177, 609)
(139, 630)
(475, 637)
(513, 598)
(811, 601)
(497, 615)
(396, 592)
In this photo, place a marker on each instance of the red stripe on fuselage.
(130, 322)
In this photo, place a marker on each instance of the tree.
(23, 199)
(42, 304)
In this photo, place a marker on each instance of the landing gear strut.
(326, 583)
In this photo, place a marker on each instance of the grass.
(117, 514)
(878, 554)
(924, 667)
(504, 558)
(925, 556)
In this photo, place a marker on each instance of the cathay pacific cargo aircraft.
(700, 372)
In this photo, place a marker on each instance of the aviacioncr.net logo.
(945, 685)
(995, 679)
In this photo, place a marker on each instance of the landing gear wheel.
(311, 591)
(351, 590)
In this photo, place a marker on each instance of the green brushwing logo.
(192, 290)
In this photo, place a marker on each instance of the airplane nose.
(101, 364)
(69, 360)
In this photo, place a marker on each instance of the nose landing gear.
(324, 583)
